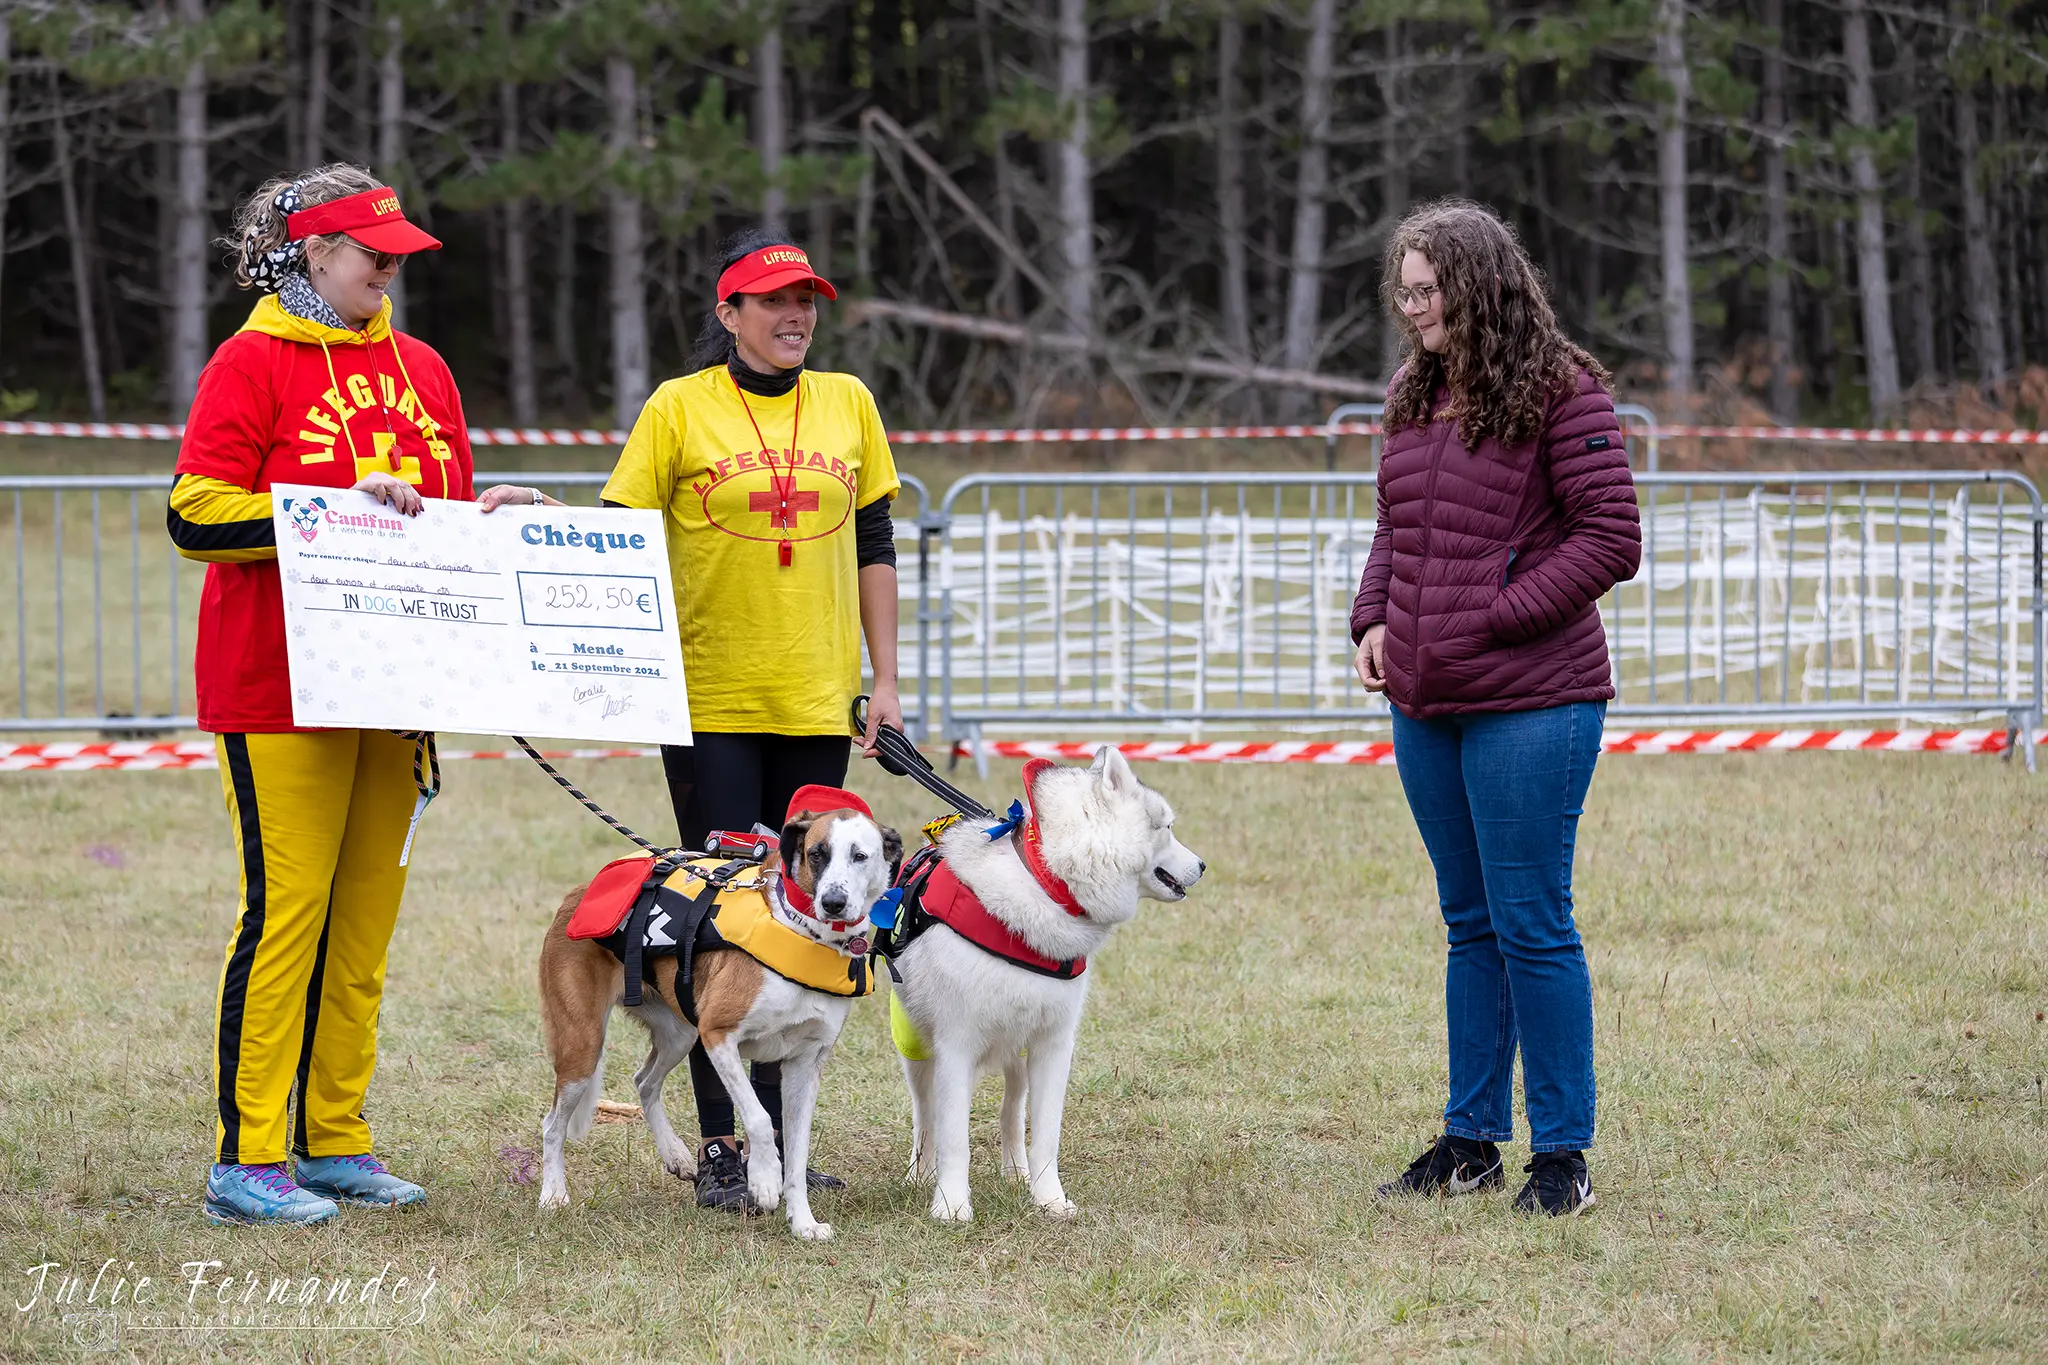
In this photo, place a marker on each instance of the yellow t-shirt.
(767, 645)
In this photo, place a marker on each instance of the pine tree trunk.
(1003, 297)
(1873, 275)
(771, 124)
(292, 21)
(81, 262)
(2005, 237)
(1236, 288)
(562, 322)
(1394, 177)
(628, 243)
(187, 341)
(1778, 329)
(1987, 328)
(318, 58)
(391, 135)
(1673, 234)
(1075, 173)
(6, 139)
(518, 276)
(1919, 257)
(1312, 184)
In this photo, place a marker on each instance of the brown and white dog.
(841, 862)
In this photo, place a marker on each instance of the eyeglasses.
(1419, 297)
(382, 260)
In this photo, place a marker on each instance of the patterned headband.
(268, 270)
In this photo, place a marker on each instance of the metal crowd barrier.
(1185, 603)
(1202, 601)
(98, 636)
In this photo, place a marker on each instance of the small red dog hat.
(817, 799)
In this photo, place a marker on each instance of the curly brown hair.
(1505, 357)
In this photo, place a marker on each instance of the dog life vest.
(642, 907)
(933, 895)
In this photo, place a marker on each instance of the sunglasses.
(382, 260)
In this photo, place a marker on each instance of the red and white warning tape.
(139, 756)
(1612, 742)
(559, 436)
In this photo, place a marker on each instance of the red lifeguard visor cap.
(818, 799)
(372, 218)
(769, 269)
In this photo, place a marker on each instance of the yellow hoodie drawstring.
(334, 383)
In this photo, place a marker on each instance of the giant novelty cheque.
(552, 621)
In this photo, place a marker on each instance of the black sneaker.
(1452, 1165)
(1558, 1185)
(722, 1178)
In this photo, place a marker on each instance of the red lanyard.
(782, 487)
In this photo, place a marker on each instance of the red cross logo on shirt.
(782, 502)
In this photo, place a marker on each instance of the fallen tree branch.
(988, 329)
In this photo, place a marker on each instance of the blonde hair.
(259, 228)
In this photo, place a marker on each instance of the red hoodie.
(287, 400)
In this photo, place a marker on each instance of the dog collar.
(793, 898)
(1030, 845)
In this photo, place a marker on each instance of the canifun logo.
(305, 516)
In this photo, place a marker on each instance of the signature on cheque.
(595, 693)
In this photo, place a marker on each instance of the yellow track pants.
(319, 819)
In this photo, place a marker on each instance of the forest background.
(1057, 210)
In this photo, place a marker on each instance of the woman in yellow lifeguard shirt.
(775, 484)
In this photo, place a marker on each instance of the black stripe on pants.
(734, 781)
(313, 987)
(234, 986)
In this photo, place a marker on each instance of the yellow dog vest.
(692, 913)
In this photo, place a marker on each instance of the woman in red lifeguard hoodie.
(316, 388)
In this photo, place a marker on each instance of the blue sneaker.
(356, 1180)
(262, 1194)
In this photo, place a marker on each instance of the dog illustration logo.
(305, 515)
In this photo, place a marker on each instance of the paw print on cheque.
(305, 694)
(359, 672)
(391, 670)
(298, 632)
(426, 702)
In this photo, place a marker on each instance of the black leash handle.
(899, 756)
(599, 811)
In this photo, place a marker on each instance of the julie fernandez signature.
(612, 706)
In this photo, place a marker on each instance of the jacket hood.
(270, 318)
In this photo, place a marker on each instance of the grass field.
(1819, 980)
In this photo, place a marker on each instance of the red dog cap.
(818, 799)
(769, 269)
(372, 218)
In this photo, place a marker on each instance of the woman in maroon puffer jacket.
(1506, 510)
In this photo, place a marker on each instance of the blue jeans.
(1497, 797)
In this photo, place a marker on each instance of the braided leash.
(599, 811)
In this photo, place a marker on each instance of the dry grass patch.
(1819, 981)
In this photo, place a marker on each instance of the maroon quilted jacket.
(1488, 565)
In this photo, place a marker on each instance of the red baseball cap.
(769, 269)
(372, 218)
(818, 799)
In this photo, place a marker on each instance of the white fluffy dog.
(1109, 839)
